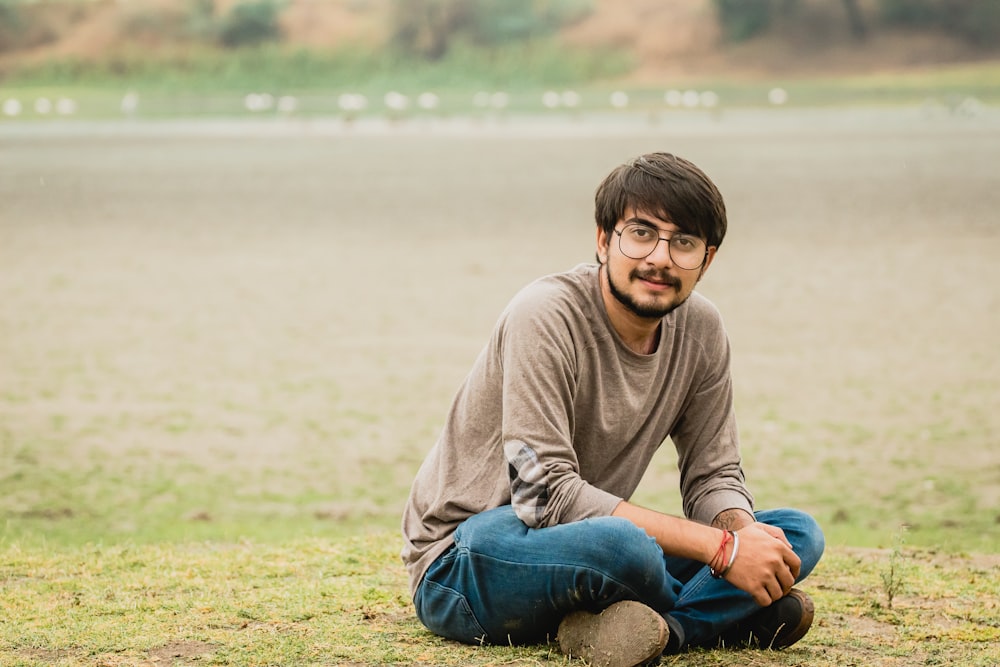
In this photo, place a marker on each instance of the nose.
(660, 256)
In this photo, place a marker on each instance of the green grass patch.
(208, 83)
(199, 69)
(345, 601)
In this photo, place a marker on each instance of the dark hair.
(669, 187)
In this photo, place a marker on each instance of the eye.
(682, 242)
(640, 233)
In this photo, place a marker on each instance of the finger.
(785, 580)
(794, 563)
(762, 597)
(774, 590)
(777, 533)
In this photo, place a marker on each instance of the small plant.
(892, 575)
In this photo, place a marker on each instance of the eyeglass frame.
(656, 230)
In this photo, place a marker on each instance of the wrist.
(716, 550)
(721, 564)
(733, 519)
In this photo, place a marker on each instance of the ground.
(204, 324)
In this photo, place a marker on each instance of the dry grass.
(317, 602)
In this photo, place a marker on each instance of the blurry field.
(225, 349)
(241, 334)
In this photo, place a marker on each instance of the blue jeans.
(503, 582)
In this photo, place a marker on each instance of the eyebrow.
(652, 225)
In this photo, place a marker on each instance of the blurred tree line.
(430, 29)
(427, 28)
(28, 23)
(976, 22)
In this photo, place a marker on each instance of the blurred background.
(399, 58)
(250, 248)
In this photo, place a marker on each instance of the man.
(518, 528)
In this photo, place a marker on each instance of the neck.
(640, 334)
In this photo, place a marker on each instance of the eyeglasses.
(638, 241)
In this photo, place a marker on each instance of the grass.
(208, 84)
(62, 485)
(201, 70)
(212, 403)
(320, 601)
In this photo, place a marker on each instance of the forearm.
(676, 536)
(733, 519)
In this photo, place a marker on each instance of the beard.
(648, 311)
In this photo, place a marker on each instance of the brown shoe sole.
(625, 634)
(805, 622)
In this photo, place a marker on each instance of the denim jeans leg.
(503, 582)
(708, 606)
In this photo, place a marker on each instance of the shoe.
(625, 634)
(774, 627)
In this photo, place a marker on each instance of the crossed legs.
(503, 582)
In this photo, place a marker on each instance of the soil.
(181, 651)
(309, 287)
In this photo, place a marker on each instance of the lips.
(659, 280)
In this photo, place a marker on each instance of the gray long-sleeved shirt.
(560, 419)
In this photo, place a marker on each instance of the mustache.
(657, 277)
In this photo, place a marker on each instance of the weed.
(893, 574)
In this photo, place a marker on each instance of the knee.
(802, 531)
(622, 551)
(491, 530)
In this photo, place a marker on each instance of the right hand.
(765, 567)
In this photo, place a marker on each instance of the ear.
(708, 260)
(603, 244)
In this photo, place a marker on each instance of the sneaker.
(774, 627)
(625, 634)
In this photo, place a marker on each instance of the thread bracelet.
(720, 573)
(720, 553)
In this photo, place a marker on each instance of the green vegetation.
(215, 87)
(250, 23)
(449, 44)
(429, 29)
(977, 23)
(200, 48)
(543, 63)
(314, 601)
(893, 575)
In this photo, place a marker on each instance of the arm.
(732, 519)
(712, 481)
(538, 361)
(765, 567)
(707, 438)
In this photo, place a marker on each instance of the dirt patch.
(979, 561)
(47, 655)
(173, 653)
(181, 650)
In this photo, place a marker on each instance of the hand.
(779, 534)
(765, 567)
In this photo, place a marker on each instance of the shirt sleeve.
(539, 363)
(706, 436)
